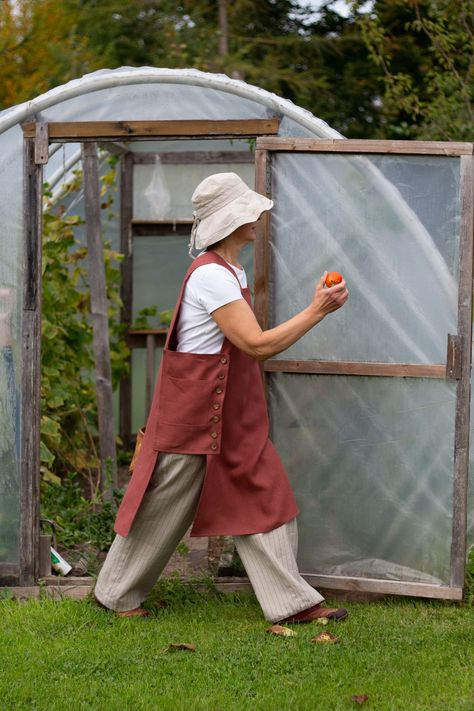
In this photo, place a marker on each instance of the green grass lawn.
(404, 654)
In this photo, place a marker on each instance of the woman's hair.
(216, 244)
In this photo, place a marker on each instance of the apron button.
(214, 435)
(215, 406)
(218, 390)
(216, 418)
(214, 446)
(221, 376)
(223, 361)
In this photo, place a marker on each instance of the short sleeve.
(214, 286)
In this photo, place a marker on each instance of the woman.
(206, 457)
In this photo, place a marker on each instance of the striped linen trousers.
(134, 564)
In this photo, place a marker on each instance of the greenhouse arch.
(400, 435)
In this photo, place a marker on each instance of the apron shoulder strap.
(206, 258)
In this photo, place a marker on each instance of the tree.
(37, 49)
(425, 49)
(322, 65)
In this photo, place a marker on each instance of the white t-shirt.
(208, 288)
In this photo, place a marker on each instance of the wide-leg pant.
(134, 564)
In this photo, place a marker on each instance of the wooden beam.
(118, 149)
(29, 529)
(150, 372)
(41, 144)
(9, 574)
(389, 587)
(126, 214)
(262, 242)
(463, 391)
(342, 145)
(153, 228)
(100, 319)
(190, 157)
(338, 367)
(138, 339)
(59, 592)
(95, 130)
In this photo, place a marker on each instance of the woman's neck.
(229, 252)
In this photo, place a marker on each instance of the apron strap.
(206, 258)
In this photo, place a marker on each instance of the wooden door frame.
(37, 137)
(458, 361)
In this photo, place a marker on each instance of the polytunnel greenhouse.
(370, 411)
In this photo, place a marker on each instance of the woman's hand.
(326, 300)
(238, 323)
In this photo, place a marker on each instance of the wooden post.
(150, 372)
(463, 390)
(100, 318)
(126, 247)
(31, 376)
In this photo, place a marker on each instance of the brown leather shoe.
(136, 612)
(315, 613)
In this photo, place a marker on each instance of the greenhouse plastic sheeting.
(131, 94)
(390, 224)
(10, 329)
(370, 458)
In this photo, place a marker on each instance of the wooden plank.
(78, 130)
(151, 228)
(343, 145)
(41, 144)
(463, 390)
(191, 157)
(148, 331)
(329, 367)
(9, 574)
(31, 368)
(389, 587)
(262, 243)
(126, 214)
(150, 372)
(100, 319)
(73, 592)
(114, 147)
(70, 580)
(44, 567)
(138, 339)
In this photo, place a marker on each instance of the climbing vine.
(68, 398)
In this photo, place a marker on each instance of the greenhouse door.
(370, 410)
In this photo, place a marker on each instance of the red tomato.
(333, 278)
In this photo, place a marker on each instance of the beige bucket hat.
(222, 203)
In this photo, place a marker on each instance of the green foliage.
(141, 321)
(469, 583)
(79, 520)
(166, 316)
(318, 61)
(68, 397)
(425, 49)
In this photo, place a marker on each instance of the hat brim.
(244, 209)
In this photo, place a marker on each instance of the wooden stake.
(100, 319)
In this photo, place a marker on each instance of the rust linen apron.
(214, 404)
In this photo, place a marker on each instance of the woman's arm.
(238, 323)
